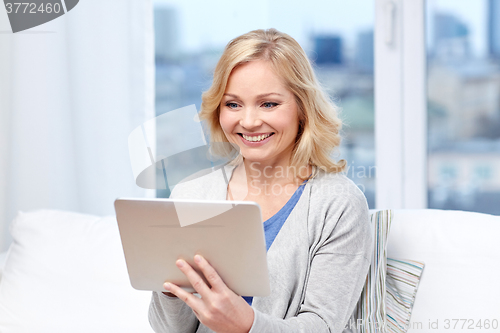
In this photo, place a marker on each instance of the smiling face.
(259, 114)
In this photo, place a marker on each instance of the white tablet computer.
(229, 234)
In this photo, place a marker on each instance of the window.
(463, 104)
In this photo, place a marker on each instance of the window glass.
(337, 36)
(463, 81)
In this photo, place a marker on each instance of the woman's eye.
(269, 105)
(231, 105)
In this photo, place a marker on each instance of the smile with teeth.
(256, 138)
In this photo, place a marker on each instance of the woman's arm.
(171, 315)
(337, 275)
(323, 310)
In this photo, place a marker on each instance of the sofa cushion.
(371, 310)
(461, 252)
(65, 272)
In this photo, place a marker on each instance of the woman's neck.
(274, 172)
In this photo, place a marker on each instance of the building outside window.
(463, 91)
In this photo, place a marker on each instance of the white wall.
(78, 85)
(5, 77)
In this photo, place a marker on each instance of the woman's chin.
(263, 159)
(254, 158)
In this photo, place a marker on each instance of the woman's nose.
(250, 118)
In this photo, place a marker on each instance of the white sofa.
(461, 278)
(65, 272)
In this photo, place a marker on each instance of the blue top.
(273, 225)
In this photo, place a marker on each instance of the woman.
(266, 100)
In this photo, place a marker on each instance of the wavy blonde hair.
(319, 124)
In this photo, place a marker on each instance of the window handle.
(390, 18)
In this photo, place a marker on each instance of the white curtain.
(71, 91)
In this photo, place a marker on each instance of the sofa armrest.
(64, 268)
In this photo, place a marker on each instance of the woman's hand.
(219, 308)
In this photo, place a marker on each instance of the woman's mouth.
(255, 140)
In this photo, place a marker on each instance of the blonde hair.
(319, 124)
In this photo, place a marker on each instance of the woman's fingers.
(219, 308)
(210, 273)
(196, 281)
(188, 298)
(169, 294)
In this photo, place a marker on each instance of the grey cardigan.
(318, 262)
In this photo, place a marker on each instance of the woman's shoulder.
(339, 207)
(336, 187)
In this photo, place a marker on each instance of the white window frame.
(400, 104)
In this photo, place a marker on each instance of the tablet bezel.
(233, 242)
